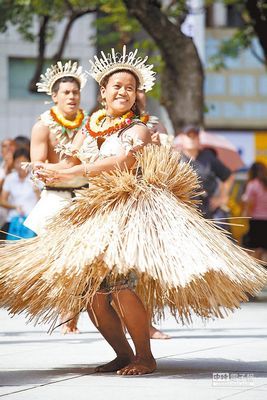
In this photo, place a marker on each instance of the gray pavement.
(222, 359)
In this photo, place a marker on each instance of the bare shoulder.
(140, 131)
(40, 130)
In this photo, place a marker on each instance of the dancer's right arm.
(39, 149)
(39, 143)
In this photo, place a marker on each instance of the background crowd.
(18, 192)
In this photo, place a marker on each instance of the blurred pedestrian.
(215, 177)
(22, 142)
(8, 147)
(255, 206)
(19, 196)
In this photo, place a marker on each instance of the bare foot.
(114, 365)
(66, 328)
(139, 367)
(157, 334)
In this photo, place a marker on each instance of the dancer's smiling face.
(119, 92)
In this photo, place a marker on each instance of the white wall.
(18, 115)
(219, 14)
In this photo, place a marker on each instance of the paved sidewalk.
(222, 359)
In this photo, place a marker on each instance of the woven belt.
(66, 189)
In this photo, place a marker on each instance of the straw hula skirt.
(145, 224)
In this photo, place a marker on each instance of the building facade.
(236, 96)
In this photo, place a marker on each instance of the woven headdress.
(58, 71)
(113, 62)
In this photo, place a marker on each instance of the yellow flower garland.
(66, 123)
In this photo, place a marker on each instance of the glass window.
(21, 71)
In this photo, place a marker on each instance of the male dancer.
(51, 139)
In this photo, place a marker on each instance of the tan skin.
(43, 142)
(120, 95)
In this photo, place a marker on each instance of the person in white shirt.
(19, 195)
(8, 146)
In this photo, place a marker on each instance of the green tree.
(182, 73)
(47, 14)
(257, 11)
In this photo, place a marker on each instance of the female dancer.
(118, 90)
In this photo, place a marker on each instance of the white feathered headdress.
(113, 62)
(58, 71)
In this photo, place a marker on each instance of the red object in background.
(225, 150)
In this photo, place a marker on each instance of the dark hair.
(21, 153)
(22, 142)
(105, 80)
(190, 128)
(56, 85)
(258, 170)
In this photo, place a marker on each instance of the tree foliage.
(182, 73)
(47, 14)
(254, 17)
(22, 13)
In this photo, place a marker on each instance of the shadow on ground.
(195, 368)
(44, 376)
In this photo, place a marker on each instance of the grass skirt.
(146, 224)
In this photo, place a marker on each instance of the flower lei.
(66, 123)
(94, 123)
